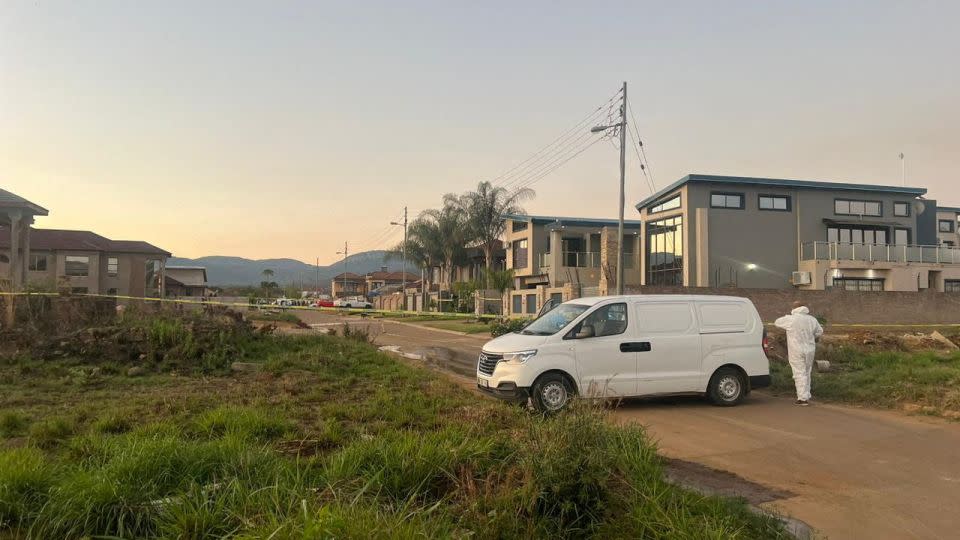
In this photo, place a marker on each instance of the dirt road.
(848, 472)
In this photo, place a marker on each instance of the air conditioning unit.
(800, 278)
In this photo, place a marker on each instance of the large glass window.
(945, 225)
(531, 303)
(858, 284)
(152, 275)
(857, 234)
(520, 253)
(77, 266)
(901, 209)
(847, 207)
(951, 285)
(726, 200)
(520, 226)
(112, 266)
(606, 321)
(38, 263)
(901, 237)
(669, 204)
(665, 251)
(774, 202)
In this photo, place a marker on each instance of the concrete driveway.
(848, 472)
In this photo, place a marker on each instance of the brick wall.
(839, 307)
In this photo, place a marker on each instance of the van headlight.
(519, 357)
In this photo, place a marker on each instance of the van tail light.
(766, 341)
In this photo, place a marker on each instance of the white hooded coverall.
(802, 333)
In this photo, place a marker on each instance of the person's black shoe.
(802, 403)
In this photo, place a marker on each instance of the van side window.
(722, 317)
(664, 318)
(607, 320)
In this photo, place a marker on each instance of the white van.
(624, 346)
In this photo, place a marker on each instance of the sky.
(284, 129)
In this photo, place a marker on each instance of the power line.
(534, 159)
(642, 154)
(558, 165)
(570, 146)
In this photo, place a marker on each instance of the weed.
(51, 432)
(13, 424)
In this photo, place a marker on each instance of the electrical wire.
(537, 157)
(558, 165)
(642, 154)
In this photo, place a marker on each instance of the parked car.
(628, 346)
(352, 303)
(323, 302)
(283, 302)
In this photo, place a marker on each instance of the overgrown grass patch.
(332, 439)
(927, 381)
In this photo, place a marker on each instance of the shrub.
(500, 327)
(51, 432)
(24, 481)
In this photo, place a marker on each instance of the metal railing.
(572, 259)
(893, 253)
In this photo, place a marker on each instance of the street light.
(403, 275)
(622, 125)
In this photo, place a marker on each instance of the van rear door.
(671, 363)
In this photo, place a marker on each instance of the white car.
(626, 346)
(352, 303)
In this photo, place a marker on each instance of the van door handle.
(635, 346)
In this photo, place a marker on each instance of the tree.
(267, 283)
(448, 234)
(486, 210)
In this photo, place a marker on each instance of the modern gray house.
(710, 231)
(948, 217)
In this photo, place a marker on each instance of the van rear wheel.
(727, 387)
(551, 392)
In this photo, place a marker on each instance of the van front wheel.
(551, 392)
(727, 387)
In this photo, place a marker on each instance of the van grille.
(488, 362)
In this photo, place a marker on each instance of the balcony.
(572, 259)
(901, 253)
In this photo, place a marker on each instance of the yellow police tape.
(208, 302)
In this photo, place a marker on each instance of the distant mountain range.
(223, 271)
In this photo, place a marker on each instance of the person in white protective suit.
(803, 330)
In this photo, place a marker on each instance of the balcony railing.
(572, 259)
(899, 253)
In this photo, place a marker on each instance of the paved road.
(848, 472)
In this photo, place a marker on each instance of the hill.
(224, 270)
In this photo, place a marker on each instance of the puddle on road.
(715, 482)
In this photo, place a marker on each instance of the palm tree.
(486, 210)
(266, 283)
(448, 229)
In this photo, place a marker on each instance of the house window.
(901, 209)
(112, 292)
(726, 200)
(532, 303)
(901, 237)
(77, 266)
(945, 225)
(4, 258)
(774, 202)
(38, 263)
(951, 285)
(948, 243)
(857, 234)
(519, 226)
(847, 207)
(79, 290)
(669, 204)
(520, 253)
(112, 264)
(517, 304)
(665, 252)
(858, 284)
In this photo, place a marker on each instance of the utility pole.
(623, 173)
(345, 252)
(403, 276)
(622, 126)
(318, 277)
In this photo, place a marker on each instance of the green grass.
(928, 380)
(332, 439)
(282, 316)
(467, 327)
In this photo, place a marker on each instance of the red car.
(323, 303)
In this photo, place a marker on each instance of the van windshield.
(554, 320)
